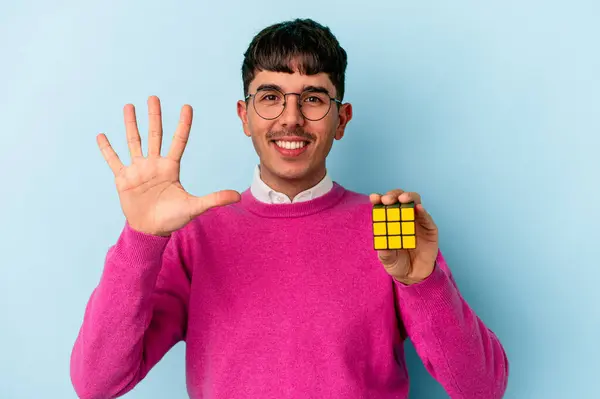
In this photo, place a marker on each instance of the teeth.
(290, 145)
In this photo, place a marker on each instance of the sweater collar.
(296, 209)
(262, 192)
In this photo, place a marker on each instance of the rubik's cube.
(394, 226)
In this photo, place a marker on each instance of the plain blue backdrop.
(490, 111)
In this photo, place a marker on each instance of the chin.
(294, 164)
(292, 172)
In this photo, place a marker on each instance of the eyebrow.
(312, 89)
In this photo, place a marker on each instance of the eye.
(313, 99)
(269, 96)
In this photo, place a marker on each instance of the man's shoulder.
(355, 198)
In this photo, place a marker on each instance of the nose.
(291, 115)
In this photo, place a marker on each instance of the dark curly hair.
(312, 44)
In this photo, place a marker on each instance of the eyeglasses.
(269, 103)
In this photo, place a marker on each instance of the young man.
(276, 291)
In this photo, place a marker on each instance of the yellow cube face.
(409, 242)
(394, 226)
(408, 214)
(380, 242)
(379, 215)
(379, 229)
(394, 242)
(393, 214)
(408, 227)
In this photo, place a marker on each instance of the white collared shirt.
(262, 192)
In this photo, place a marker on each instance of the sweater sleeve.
(134, 316)
(456, 347)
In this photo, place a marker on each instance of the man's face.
(290, 146)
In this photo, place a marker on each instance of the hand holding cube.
(404, 236)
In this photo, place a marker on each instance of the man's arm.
(134, 316)
(456, 347)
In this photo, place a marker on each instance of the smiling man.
(293, 141)
(277, 290)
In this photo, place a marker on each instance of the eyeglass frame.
(309, 90)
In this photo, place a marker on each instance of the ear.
(242, 112)
(344, 116)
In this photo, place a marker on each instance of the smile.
(290, 148)
(290, 145)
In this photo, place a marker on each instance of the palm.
(152, 197)
(401, 262)
(150, 190)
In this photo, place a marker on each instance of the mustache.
(298, 133)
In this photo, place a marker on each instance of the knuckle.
(155, 132)
(181, 138)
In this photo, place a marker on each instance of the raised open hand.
(151, 195)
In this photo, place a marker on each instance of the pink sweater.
(278, 301)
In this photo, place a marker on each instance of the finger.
(388, 256)
(406, 197)
(391, 197)
(424, 219)
(375, 198)
(155, 128)
(109, 154)
(133, 135)
(182, 133)
(199, 205)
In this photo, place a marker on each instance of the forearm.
(116, 344)
(456, 347)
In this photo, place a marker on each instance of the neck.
(291, 187)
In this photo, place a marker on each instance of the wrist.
(147, 231)
(407, 280)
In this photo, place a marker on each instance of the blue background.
(490, 111)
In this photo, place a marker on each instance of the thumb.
(199, 205)
(424, 218)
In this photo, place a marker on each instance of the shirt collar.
(262, 192)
